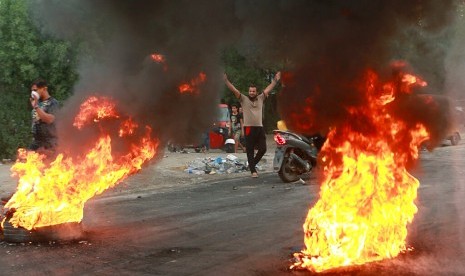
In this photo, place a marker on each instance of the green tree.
(25, 55)
(18, 40)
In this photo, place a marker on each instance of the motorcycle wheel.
(286, 174)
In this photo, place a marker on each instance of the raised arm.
(273, 83)
(231, 87)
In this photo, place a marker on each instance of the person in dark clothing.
(44, 108)
(252, 106)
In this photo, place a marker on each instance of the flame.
(95, 109)
(192, 86)
(55, 193)
(159, 58)
(411, 79)
(128, 128)
(367, 195)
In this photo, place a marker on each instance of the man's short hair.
(40, 83)
(252, 85)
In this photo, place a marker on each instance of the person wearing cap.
(254, 132)
(44, 108)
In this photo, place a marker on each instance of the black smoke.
(120, 36)
(323, 45)
(334, 43)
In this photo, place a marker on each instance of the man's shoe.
(254, 175)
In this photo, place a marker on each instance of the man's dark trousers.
(254, 138)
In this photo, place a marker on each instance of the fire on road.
(242, 227)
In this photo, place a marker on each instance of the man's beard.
(254, 98)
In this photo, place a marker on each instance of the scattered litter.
(231, 157)
(218, 165)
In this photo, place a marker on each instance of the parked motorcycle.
(295, 154)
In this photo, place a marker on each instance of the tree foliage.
(26, 55)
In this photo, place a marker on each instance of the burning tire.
(60, 232)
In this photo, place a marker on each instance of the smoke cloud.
(325, 46)
(121, 36)
(344, 40)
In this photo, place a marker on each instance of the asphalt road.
(241, 226)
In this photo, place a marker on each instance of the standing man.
(43, 130)
(252, 106)
(44, 108)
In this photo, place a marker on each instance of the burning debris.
(59, 232)
(192, 86)
(367, 196)
(99, 149)
(53, 192)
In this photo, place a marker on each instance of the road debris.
(218, 165)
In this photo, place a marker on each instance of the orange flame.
(127, 128)
(94, 109)
(55, 193)
(411, 79)
(159, 58)
(192, 86)
(367, 196)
